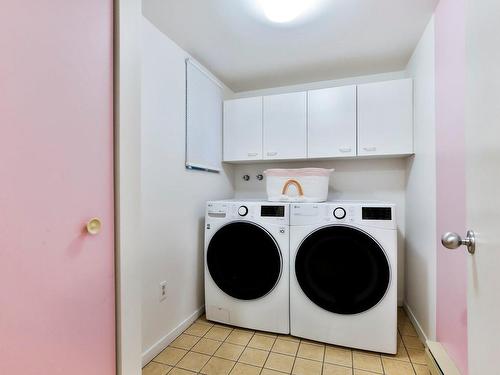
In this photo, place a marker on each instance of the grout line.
(324, 356)
(268, 354)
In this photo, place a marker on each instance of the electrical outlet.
(163, 291)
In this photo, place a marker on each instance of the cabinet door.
(243, 129)
(332, 122)
(285, 126)
(385, 118)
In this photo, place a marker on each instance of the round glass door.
(342, 269)
(244, 260)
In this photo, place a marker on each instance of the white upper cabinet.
(285, 126)
(332, 122)
(385, 118)
(243, 129)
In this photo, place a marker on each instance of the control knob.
(243, 211)
(339, 213)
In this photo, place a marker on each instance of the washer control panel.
(257, 211)
(370, 213)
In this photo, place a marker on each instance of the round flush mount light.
(282, 11)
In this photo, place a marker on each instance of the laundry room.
(249, 187)
(231, 94)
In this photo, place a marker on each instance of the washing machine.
(247, 264)
(343, 274)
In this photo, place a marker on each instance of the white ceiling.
(342, 38)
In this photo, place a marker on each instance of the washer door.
(342, 269)
(244, 260)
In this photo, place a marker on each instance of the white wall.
(173, 198)
(421, 191)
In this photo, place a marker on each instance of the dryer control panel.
(256, 211)
(372, 214)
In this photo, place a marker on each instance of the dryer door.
(342, 269)
(244, 260)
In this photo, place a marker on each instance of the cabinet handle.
(253, 154)
(370, 148)
(345, 149)
(272, 153)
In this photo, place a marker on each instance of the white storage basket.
(297, 185)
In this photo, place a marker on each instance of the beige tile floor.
(214, 349)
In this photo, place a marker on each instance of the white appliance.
(247, 264)
(343, 278)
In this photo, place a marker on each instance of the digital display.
(272, 211)
(377, 213)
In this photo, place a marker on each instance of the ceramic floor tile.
(239, 337)
(401, 355)
(217, 349)
(289, 338)
(170, 356)
(408, 330)
(154, 368)
(203, 320)
(229, 351)
(363, 372)
(306, 367)
(244, 369)
(255, 357)
(417, 356)
(412, 342)
(193, 361)
(197, 329)
(310, 351)
(218, 333)
(421, 369)
(268, 334)
(180, 371)
(285, 347)
(329, 369)
(367, 362)
(338, 356)
(261, 342)
(217, 366)
(185, 341)
(206, 346)
(394, 367)
(279, 362)
(267, 371)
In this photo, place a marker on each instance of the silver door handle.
(345, 149)
(272, 153)
(252, 154)
(452, 240)
(370, 149)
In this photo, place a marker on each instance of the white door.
(285, 126)
(483, 181)
(385, 118)
(331, 130)
(482, 165)
(243, 129)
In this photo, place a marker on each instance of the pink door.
(57, 310)
(451, 304)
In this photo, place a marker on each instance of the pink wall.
(451, 323)
(57, 312)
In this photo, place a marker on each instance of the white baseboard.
(416, 324)
(438, 360)
(161, 344)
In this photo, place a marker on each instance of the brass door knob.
(94, 226)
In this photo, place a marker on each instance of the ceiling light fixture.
(281, 11)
